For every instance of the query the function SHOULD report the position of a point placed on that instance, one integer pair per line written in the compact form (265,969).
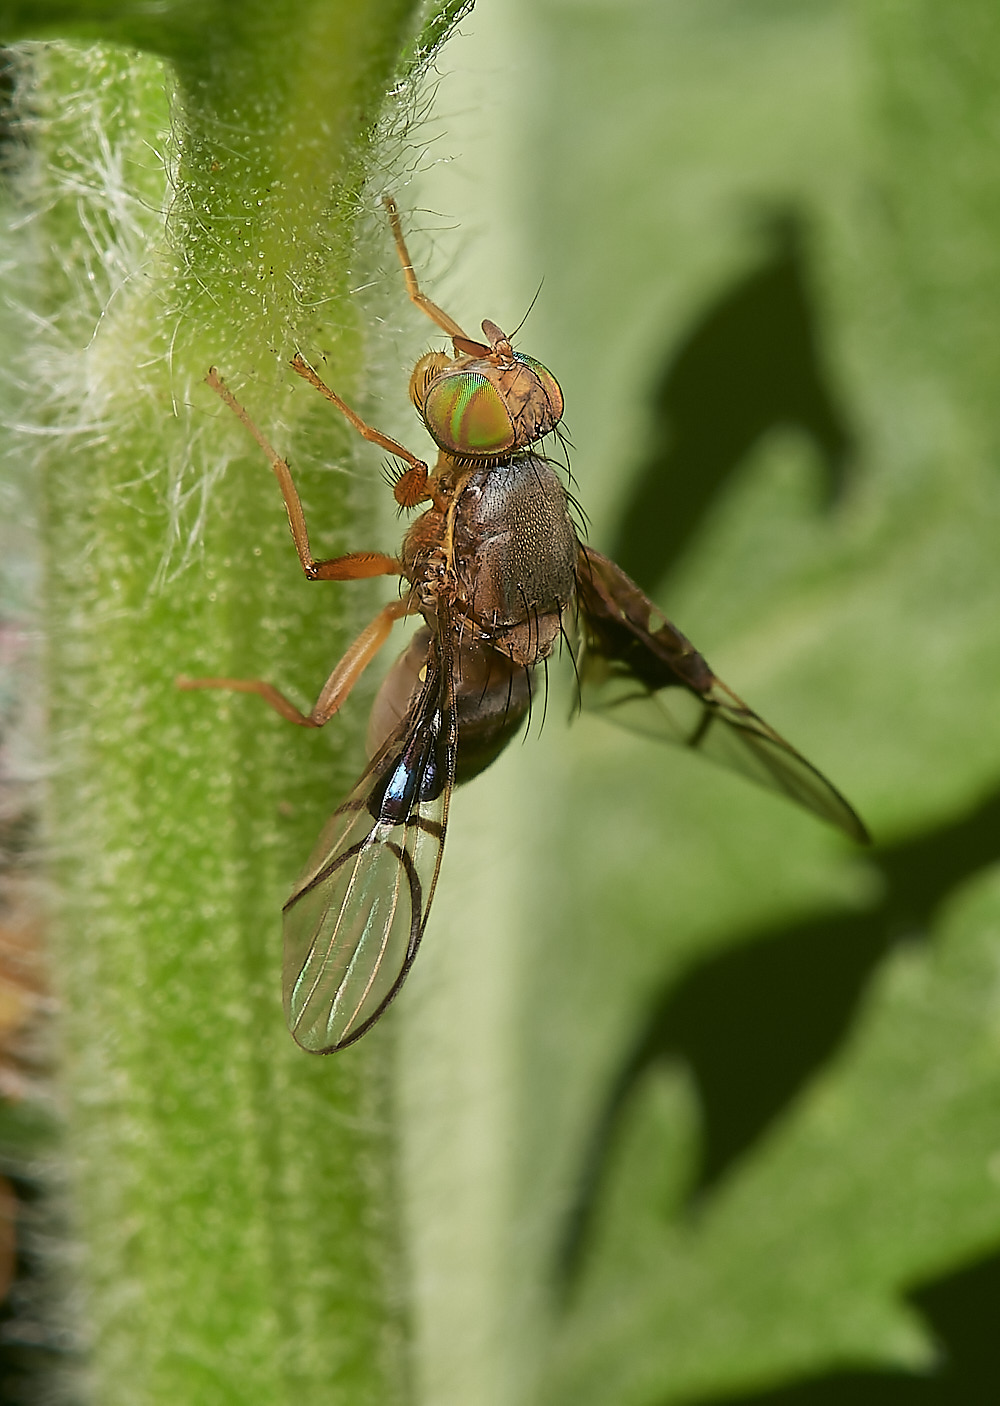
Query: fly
(495,568)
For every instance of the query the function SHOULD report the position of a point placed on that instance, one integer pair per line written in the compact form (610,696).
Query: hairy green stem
(234,1196)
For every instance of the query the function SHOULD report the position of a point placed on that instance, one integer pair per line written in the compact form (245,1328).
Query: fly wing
(355,920)
(641,672)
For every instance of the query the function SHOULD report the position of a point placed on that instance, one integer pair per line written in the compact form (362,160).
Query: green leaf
(884,1174)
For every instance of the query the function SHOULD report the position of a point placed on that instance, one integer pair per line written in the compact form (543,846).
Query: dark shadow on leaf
(754,1023)
(749,365)
(961,1313)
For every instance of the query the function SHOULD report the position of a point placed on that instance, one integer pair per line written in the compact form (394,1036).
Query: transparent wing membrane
(355,920)
(641,672)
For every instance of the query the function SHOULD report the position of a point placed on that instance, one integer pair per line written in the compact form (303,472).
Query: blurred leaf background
(684,1101)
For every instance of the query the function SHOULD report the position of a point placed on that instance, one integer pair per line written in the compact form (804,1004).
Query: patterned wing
(641,672)
(355,920)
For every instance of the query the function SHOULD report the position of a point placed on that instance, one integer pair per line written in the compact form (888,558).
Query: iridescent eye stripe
(469,412)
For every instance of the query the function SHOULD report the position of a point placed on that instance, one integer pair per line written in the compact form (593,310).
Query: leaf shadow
(749,364)
(754,1023)
(960,1312)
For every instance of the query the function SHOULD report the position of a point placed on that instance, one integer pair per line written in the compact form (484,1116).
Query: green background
(685,1100)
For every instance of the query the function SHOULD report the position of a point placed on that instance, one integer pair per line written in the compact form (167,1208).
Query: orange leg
(436,314)
(337,687)
(352,567)
(411,487)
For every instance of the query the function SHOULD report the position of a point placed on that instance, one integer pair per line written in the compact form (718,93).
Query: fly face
(493,564)
(487,403)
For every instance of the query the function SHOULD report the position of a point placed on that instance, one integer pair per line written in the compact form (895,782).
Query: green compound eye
(466,415)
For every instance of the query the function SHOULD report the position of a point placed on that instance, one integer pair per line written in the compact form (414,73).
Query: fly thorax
(515,555)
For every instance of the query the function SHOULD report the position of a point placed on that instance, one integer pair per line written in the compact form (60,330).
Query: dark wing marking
(355,920)
(641,672)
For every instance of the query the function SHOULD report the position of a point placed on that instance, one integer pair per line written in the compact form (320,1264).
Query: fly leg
(436,314)
(337,687)
(352,567)
(411,487)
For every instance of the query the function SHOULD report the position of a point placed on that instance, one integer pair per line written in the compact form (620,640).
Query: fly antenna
(528,313)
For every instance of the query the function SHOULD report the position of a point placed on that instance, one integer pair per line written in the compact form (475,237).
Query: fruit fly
(495,568)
